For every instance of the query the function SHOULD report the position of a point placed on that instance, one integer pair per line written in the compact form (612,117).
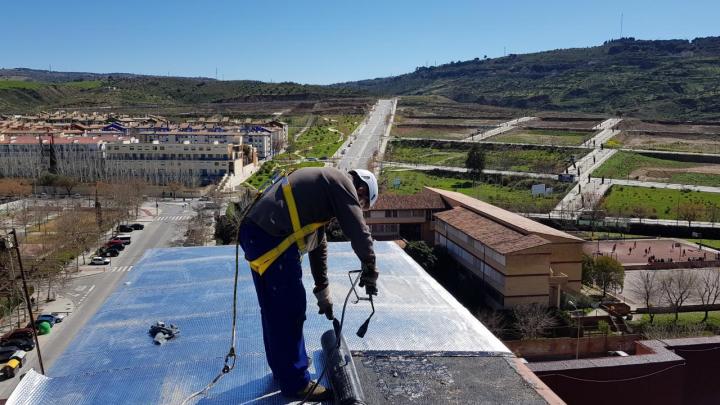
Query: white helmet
(369,178)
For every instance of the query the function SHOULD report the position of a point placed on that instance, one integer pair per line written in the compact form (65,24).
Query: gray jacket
(321,194)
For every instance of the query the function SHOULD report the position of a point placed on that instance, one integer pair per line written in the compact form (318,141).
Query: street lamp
(577,321)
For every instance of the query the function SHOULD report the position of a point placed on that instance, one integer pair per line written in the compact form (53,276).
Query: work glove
(368,278)
(324,301)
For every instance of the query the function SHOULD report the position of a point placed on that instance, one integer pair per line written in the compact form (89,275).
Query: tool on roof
(343,375)
(162,333)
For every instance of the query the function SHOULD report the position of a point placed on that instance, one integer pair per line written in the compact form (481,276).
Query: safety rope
(231,357)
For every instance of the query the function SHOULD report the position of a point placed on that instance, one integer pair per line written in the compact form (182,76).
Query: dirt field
(637,125)
(660,248)
(664,174)
(677,142)
(433,132)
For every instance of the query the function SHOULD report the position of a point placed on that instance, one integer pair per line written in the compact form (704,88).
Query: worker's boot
(320,393)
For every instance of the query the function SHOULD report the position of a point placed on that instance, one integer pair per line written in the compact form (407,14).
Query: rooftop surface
(430,345)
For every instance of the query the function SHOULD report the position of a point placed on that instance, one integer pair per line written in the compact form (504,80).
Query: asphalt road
(368,138)
(89,289)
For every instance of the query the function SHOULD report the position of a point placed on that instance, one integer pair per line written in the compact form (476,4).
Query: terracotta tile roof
(424,200)
(499,237)
(510,219)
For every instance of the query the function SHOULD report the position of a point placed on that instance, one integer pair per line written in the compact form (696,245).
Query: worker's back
(320,195)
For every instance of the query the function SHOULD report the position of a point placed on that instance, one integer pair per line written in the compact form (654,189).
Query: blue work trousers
(281,296)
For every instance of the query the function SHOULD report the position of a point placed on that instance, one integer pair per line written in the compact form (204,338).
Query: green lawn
(19,84)
(684,318)
(659,203)
(623,164)
(514,195)
(713,243)
(544,137)
(325,136)
(268,168)
(549,160)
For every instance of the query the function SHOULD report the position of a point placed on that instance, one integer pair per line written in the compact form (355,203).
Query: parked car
(20,356)
(108,252)
(52,318)
(7,353)
(8,369)
(123,238)
(22,343)
(204,198)
(115,244)
(124,228)
(137,227)
(99,261)
(20,333)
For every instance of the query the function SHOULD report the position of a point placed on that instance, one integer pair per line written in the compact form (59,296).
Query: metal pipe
(27,300)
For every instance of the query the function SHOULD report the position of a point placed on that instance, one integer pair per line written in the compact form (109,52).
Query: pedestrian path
(173,217)
(120,269)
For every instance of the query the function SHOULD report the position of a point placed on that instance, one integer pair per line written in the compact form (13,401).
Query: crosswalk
(173,217)
(119,269)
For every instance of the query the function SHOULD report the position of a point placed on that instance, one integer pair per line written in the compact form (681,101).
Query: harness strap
(262,263)
(292,210)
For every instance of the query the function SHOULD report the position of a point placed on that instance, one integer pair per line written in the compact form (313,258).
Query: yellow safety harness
(298,236)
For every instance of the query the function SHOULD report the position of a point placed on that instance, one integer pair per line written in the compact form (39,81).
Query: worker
(287,220)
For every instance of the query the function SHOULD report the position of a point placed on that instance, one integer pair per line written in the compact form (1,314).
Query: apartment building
(31,156)
(187,163)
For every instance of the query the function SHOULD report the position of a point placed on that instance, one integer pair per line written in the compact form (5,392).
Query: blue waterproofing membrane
(113,360)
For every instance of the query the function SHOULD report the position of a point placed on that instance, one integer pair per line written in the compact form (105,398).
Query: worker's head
(366,186)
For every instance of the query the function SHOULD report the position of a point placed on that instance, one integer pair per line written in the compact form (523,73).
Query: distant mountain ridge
(660,79)
(664,78)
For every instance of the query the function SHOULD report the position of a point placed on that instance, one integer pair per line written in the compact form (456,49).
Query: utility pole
(621,25)
(27,299)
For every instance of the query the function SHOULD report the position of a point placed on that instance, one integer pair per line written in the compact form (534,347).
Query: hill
(675,79)
(24,90)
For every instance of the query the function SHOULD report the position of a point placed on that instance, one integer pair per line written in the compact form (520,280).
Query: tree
(608,273)
(647,287)
(588,269)
(677,287)
(475,162)
(640,212)
(66,182)
(423,254)
(708,288)
(531,320)
(492,320)
(689,211)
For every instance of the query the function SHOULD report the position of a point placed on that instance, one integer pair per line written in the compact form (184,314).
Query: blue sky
(319,41)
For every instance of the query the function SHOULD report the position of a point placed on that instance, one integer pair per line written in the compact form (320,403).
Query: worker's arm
(318,261)
(349,215)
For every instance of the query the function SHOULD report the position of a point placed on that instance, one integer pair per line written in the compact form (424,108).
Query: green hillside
(653,79)
(21,93)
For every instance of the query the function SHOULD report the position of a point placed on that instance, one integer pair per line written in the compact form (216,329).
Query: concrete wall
(671,372)
(566,347)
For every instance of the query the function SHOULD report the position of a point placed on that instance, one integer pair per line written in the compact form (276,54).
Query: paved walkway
(235,180)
